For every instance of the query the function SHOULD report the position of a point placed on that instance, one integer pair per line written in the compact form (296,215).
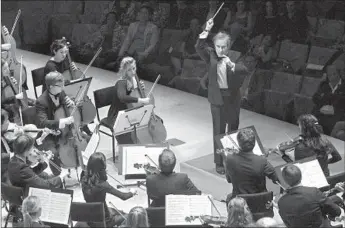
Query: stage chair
(309,86)
(14,196)
(37,79)
(156,216)
(103,97)
(260,204)
(88,212)
(29,115)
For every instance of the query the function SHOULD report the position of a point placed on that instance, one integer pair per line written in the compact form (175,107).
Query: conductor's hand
(133,191)
(144,101)
(209,24)
(20,96)
(69,102)
(5,30)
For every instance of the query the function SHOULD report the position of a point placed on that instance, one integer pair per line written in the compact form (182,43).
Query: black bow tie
(220,58)
(55,96)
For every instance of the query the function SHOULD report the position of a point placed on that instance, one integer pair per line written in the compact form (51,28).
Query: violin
(214,221)
(33,131)
(287,146)
(155,132)
(150,170)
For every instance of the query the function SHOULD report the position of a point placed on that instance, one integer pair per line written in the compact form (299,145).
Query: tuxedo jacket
(45,110)
(235,77)
(160,185)
(22,175)
(306,207)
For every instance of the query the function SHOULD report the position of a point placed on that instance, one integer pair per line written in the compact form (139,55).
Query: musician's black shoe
(220,169)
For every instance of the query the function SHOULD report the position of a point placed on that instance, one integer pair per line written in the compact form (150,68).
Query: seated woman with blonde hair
(32,210)
(239,214)
(137,217)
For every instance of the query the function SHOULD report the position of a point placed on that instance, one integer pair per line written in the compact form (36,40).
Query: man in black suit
(167,182)
(245,170)
(22,175)
(46,105)
(304,206)
(225,79)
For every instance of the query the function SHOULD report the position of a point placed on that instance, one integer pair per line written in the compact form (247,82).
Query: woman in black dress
(95,187)
(122,96)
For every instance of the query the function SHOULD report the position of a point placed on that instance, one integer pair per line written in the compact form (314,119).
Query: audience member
(302,206)
(181,15)
(264,52)
(245,170)
(239,214)
(267,23)
(339,130)
(32,211)
(137,218)
(219,19)
(267,222)
(239,25)
(131,13)
(167,181)
(250,62)
(187,49)
(329,100)
(160,15)
(293,24)
(95,187)
(313,143)
(22,175)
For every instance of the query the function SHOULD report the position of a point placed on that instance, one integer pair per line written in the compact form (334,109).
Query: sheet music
(55,206)
(91,147)
(178,207)
(227,143)
(313,66)
(136,154)
(312,174)
(44,196)
(59,208)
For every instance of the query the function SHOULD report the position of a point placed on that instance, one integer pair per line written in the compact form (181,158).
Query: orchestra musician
(95,186)
(302,206)
(245,170)
(122,97)
(22,175)
(32,211)
(137,217)
(311,143)
(225,79)
(46,105)
(167,181)
(59,62)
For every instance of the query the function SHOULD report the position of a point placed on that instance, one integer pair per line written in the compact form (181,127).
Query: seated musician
(239,214)
(245,170)
(95,186)
(59,62)
(5,149)
(312,143)
(329,100)
(302,206)
(22,175)
(167,181)
(122,97)
(32,211)
(137,217)
(46,105)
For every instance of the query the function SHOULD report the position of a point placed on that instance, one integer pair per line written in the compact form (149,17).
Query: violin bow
(15,22)
(92,60)
(154,84)
(117,210)
(215,207)
(20,88)
(148,157)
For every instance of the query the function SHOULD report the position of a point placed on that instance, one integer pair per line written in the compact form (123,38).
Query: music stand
(132,120)
(73,89)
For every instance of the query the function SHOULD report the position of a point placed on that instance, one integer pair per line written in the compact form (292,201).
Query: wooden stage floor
(187,117)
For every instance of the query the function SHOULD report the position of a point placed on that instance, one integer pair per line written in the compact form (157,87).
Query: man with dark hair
(245,170)
(225,79)
(167,181)
(304,206)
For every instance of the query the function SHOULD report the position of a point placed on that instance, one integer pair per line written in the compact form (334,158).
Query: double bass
(155,132)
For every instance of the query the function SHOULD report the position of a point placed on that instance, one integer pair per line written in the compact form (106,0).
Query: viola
(155,132)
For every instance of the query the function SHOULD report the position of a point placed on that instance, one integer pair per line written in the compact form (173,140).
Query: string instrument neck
(140,90)
(73,77)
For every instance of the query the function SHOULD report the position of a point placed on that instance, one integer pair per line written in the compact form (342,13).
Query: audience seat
(169,37)
(37,79)
(302,104)
(309,86)
(285,82)
(331,29)
(260,204)
(278,104)
(295,54)
(320,56)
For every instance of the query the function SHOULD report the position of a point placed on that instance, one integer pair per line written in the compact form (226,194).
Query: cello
(88,109)
(155,132)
